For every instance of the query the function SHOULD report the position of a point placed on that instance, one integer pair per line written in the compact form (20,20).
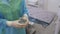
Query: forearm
(9,23)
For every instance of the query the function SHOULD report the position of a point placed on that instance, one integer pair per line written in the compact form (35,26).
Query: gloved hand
(17,24)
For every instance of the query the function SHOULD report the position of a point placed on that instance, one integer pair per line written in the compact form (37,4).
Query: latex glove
(25,17)
(17,24)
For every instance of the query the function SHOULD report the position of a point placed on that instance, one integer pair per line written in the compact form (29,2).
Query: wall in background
(50,5)
(53,5)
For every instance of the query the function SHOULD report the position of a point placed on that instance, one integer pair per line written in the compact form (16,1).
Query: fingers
(25,18)
(21,25)
(18,25)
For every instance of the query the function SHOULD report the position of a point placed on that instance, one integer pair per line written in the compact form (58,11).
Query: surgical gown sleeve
(25,10)
(2,23)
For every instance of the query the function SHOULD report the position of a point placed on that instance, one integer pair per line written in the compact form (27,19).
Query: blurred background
(44,14)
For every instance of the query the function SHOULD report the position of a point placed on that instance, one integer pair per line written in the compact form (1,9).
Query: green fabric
(3,31)
(11,10)
(19,31)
